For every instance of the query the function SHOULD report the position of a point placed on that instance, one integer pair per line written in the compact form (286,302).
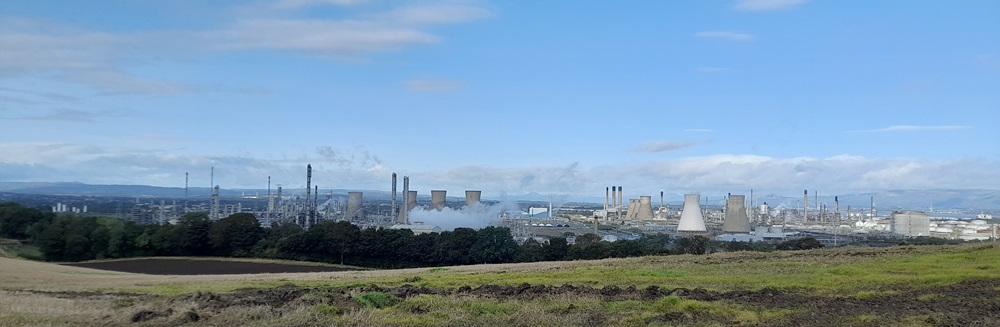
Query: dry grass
(863,273)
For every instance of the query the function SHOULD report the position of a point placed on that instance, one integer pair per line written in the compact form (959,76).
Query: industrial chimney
(805,205)
(736,215)
(472,197)
(392,208)
(405,210)
(438,199)
(691,218)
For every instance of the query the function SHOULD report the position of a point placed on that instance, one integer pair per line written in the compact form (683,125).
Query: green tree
(235,235)
(194,231)
(15,220)
(494,245)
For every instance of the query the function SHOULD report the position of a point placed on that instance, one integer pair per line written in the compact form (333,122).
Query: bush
(329,309)
(376,300)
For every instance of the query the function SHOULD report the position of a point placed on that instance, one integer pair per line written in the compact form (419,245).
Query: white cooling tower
(736,215)
(691,219)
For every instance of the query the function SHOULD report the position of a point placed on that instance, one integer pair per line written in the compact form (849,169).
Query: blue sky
(504,96)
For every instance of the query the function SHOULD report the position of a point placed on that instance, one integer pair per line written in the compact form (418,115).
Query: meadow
(896,286)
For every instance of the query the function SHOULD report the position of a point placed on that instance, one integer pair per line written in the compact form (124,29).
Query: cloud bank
(358,169)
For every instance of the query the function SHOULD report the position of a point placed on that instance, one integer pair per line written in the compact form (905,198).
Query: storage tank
(736,215)
(691,218)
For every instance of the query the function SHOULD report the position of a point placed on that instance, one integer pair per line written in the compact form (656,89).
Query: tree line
(74,238)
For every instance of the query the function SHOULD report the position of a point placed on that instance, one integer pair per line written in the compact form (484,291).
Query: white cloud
(299,4)
(436,14)
(105,61)
(432,85)
(361,169)
(663,146)
(766,5)
(913,128)
(732,36)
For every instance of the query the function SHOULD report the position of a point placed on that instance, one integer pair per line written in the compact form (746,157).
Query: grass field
(900,286)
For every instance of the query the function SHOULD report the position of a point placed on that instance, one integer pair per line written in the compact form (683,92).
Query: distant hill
(971,199)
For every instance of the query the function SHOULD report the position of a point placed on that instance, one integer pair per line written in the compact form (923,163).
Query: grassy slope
(854,272)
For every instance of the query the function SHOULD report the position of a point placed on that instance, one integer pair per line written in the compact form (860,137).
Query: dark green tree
(236,235)
(194,230)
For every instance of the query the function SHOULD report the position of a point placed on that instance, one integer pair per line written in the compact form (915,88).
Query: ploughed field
(179,266)
(898,286)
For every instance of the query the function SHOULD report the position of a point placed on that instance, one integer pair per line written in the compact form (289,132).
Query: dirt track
(165,266)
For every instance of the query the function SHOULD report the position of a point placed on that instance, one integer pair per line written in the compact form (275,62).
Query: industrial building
(911,223)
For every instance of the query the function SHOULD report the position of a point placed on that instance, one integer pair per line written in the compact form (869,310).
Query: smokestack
(309,177)
(805,205)
(270,202)
(354,201)
(620,198)
(438,199)
(472,197)
(405,210)
(836,208)
(606,197)
(662,204)
(691,218)
(185,192)
(614,198)
(392,209)
(736,215)
(215,203)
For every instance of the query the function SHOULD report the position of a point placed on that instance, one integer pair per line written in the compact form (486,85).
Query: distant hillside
(884,200)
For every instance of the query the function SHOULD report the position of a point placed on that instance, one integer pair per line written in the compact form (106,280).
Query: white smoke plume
(474,216)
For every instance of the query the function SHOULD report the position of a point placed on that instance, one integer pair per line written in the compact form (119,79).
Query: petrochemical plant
(739,219)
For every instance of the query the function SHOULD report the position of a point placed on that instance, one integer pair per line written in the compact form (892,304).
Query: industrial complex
(739,219)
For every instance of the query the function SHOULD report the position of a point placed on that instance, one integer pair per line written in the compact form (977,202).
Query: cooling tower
(472,197)
(691,219)
(645,210)
(353,205)
(438,199)
(736,215)
(411,200)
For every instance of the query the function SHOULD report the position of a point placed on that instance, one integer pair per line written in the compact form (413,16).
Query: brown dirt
(168,266)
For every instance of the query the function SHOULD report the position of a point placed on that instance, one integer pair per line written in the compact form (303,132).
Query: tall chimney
(309,176)
(185,192)
(620,198)
(392,209)
(606,196)
(805,205)
(312,211)
(836,208)
(614,197)
(405,209)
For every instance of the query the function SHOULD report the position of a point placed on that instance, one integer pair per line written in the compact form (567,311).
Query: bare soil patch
(174,266)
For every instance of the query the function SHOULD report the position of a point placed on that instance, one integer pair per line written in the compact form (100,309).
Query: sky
(508,97)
